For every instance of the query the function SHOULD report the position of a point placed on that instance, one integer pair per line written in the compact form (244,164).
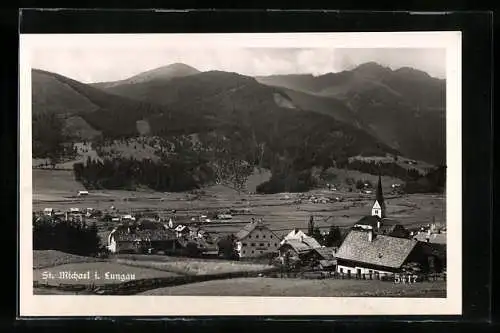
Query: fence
(396,278)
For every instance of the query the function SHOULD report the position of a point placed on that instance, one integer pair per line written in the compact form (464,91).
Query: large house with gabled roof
(255,240)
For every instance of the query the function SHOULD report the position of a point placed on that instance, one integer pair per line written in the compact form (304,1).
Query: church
(378,221)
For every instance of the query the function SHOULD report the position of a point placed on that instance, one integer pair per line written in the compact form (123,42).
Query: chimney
(370,235)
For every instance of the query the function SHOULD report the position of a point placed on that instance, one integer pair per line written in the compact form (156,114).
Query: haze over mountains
(369,110)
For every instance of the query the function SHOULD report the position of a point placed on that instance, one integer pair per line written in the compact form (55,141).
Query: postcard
(240,174)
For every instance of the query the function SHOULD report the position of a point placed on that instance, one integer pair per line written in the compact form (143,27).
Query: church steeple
(379,205)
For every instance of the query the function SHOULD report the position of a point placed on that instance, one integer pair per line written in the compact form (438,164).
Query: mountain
(77,104)
(160,73)
(384,101)
(237,107)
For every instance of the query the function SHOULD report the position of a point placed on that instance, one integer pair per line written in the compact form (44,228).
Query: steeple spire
(379,205)
(380,195)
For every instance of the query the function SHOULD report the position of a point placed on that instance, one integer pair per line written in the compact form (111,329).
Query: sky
(110,64)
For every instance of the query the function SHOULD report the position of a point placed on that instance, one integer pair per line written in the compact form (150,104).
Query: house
(322,258)
(365,252)
(298,245)
(378,222)
(182,230)
(83,193)
(127,217)
(126,239)
(224,216)
(430,237)
(382,226)
(48,211)
(256,239)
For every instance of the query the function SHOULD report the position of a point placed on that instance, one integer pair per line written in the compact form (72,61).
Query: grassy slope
(50,95)
(300,288)
(50,258)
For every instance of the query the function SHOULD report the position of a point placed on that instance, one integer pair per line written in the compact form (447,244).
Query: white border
(40,305)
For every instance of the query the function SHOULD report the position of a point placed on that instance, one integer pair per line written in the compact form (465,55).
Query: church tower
(378,208)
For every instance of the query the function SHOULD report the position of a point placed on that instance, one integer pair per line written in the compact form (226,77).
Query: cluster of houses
(374,245)
(152,236)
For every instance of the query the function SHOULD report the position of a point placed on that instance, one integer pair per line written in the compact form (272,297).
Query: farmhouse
(134,239)
(301,247)
(322,258)
(378,222)
(255,240)
(365,252)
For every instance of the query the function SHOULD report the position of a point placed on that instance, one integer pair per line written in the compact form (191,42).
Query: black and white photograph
(259,172)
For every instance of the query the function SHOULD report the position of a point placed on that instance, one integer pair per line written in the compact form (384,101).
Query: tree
(310,226)
(227,247)
(317,235)
(334,237)
(411,268)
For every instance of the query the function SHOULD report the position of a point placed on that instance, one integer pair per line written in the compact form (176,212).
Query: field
(282,212)
(136,267)
(50,258)
(57,189)
(300,287)
(196,267)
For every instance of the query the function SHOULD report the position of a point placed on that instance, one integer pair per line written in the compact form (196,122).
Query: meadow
(277,287)
(282,212)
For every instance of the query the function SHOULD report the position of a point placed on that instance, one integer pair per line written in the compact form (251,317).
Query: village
(374,246)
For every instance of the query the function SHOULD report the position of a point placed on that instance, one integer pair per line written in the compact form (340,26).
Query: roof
(373,220)
(311,242)
(380,196)
(433,238)
(369,220)
(144,235)
(383,250)
(325,252)
(298,246)
(295,234)
(328,263)
(247,229)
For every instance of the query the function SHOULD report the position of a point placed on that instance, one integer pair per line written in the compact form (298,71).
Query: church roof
(380,196)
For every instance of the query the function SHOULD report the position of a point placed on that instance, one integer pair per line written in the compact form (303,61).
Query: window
(264,236)
(256,236)
(249,236)
(253,244)
(271,236)
(261,244)
(243,244)
(341,270)
(243,251)
(253,251)
(275,244)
